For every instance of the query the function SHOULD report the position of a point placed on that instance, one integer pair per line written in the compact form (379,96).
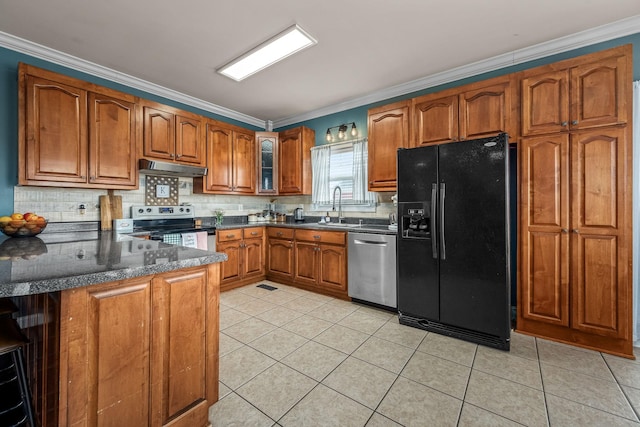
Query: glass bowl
(22,228)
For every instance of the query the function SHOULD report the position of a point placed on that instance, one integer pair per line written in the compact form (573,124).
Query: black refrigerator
(453,240)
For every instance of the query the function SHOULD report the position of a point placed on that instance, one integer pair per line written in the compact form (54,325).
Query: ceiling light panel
(292,40)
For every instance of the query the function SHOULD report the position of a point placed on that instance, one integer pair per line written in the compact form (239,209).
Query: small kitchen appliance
(298,215)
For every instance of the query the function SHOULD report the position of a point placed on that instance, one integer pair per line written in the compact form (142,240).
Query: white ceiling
(365,47)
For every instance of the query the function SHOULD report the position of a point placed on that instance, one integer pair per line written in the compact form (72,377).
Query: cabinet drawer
(229,235)
(280,233)
(253,232)
(335,237)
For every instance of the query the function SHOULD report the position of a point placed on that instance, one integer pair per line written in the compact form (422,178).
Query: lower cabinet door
(333,263)
(280,260)
(306,264)
(231,269)
(253,257)
(105,354)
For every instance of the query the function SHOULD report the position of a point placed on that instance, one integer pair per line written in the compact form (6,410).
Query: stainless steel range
(170,223)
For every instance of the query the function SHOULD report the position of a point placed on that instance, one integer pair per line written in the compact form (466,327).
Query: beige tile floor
(294,358)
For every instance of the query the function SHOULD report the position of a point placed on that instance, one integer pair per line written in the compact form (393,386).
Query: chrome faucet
(340,218)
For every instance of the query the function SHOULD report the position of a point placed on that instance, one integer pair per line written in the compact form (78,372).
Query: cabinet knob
(178,156)
(575,230)
(564,123)
(279,234)
(230,236)
(316,237)
(83,177)
(254,233)
(564,230)
(575,122)
(171,155)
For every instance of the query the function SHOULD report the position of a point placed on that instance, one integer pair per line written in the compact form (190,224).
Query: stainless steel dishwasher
(372,268)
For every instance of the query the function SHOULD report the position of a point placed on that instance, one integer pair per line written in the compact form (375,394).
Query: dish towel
(201,237)
(189,240)
(171,238)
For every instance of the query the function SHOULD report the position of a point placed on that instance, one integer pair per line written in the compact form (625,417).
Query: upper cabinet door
(244,167)
(55,134)
(219,159)
(598,95)
(112,141)
(388,131)
(486,111)
(189,140)
(159,134)
(545,103)
(435,119)
(290,161)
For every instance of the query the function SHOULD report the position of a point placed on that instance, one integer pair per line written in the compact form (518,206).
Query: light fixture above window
(292,40)
(342,131)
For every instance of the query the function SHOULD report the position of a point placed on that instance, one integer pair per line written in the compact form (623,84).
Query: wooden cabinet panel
(230,158)
(254,263)
(231,269)
(435,120)
(74,134)
(280,257)
(112,141)
(486,111)
(56,132)
(335,237)
(219,158)
(388,129)
(333,267)
(598,94)
(189,140)
(267,162)
(545,103)
(108,340)
(159,134)
(306,263)
(244,166)
(179,365)
(294,160)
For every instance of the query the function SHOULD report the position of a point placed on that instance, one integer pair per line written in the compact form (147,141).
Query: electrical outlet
(82,208)
(240,207)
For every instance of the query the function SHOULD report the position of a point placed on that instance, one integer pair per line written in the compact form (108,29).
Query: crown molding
(27,47)
(595,35)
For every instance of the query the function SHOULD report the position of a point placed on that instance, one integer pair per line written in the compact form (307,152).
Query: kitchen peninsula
(122,331)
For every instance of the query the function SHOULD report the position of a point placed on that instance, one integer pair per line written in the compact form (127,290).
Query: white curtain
(320,161)
(636,210)
(360,173)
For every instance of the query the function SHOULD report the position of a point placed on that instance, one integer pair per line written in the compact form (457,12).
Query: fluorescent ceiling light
(292,40)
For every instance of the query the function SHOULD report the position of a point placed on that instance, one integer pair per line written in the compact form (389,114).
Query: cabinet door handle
(279,234)
(575,230)
(564,123)
(316,237)
(254,233)
(575,122)
(230,236)
(171,155)
(564,230)
(178,156)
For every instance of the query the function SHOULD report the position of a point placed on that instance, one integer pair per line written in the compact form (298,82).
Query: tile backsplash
(62,205)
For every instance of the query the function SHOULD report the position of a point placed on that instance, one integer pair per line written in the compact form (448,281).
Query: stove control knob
(140,210)
(188,210)
(149,210)
(181,209)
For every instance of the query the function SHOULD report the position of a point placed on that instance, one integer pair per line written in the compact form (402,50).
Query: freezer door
(418,284)
(474,280)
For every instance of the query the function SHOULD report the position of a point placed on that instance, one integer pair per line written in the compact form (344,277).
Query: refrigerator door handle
(443,248)
(432,220)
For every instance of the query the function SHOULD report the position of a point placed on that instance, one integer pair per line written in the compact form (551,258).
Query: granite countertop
(374,228)
(57,261)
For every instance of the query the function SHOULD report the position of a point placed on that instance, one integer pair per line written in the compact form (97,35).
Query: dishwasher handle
(369,242)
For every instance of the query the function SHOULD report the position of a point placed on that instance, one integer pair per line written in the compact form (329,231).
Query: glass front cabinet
(267,145)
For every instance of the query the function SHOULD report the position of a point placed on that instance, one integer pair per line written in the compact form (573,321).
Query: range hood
(153,167)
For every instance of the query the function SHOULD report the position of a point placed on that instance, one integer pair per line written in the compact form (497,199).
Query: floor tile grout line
(544,393)
(466,388)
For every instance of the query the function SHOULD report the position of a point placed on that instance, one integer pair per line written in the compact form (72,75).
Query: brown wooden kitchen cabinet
(267,162)
(584,93)
(477,110)
(245,250)
(388,130)
(321,261)
(575,263)
(230,160)
(74,134)
(173,135)
(294,161)
(280,253)
(142,351)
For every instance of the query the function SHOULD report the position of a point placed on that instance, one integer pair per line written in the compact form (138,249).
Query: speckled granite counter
(375,228)
(58,261)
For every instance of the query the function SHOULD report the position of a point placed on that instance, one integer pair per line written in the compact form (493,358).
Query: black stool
(15,399)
